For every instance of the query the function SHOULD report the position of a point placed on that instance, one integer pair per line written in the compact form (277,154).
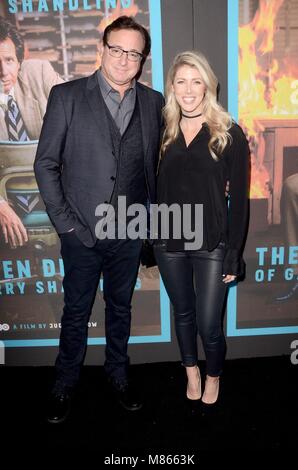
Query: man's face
(9,65)
(120,71)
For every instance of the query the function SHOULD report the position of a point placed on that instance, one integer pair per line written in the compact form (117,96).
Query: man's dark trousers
(118,261)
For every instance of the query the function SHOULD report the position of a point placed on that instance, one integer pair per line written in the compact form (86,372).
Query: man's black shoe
(58,407)
(127,396)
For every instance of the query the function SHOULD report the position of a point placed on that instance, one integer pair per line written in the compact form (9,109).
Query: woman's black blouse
(190,175)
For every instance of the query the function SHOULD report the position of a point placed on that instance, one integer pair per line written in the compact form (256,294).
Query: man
(100,140)
(24,90)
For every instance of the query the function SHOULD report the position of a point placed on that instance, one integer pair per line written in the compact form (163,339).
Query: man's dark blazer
(74,166)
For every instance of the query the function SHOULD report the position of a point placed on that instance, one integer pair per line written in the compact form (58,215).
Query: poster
(263,65)
(44,43)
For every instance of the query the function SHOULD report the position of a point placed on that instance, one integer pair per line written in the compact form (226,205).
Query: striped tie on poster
(15,124)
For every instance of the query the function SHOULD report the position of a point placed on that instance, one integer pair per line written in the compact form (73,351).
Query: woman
(203,153)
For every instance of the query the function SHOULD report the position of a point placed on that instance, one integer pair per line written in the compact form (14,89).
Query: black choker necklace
(191,117)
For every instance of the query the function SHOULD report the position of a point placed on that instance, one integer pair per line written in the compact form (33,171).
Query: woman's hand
(228,278)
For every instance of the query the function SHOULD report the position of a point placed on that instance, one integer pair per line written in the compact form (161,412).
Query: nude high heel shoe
(195,396)
(211,391)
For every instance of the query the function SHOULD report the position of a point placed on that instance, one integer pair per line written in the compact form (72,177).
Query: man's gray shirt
(121,110)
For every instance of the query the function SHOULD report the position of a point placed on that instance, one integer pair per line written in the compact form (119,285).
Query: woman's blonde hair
(218,120)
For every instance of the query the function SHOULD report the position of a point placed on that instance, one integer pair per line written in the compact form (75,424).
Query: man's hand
(12,227)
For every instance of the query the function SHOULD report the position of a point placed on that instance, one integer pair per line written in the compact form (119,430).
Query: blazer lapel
(29,109)
(96,104)
(3,128)
(145,116)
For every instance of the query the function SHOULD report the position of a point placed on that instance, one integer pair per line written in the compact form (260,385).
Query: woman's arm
(239,175)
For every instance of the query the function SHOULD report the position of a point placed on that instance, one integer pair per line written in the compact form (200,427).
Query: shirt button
(113,178)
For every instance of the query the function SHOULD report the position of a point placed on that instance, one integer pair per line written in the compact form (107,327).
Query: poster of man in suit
(40,48)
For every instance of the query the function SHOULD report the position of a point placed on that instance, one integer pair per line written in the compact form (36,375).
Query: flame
(263,23)
(267,87)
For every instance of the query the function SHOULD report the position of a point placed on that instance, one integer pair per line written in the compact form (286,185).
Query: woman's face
(189,89)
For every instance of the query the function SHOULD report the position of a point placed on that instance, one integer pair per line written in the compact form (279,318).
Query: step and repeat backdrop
(45,42)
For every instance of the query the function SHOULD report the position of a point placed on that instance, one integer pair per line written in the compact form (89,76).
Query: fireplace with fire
(268,113)
(268,99)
